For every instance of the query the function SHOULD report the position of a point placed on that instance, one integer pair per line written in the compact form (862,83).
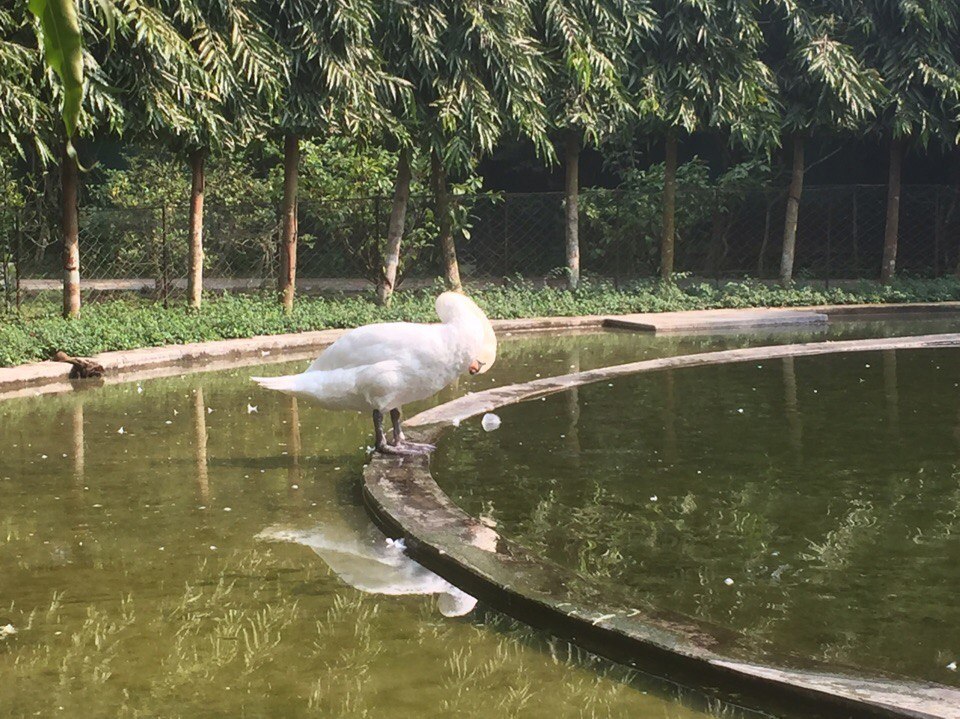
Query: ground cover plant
(131,322)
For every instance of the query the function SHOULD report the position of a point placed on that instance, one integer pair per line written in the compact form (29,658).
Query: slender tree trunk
(669,228)
(70,230)
(571,208)
(438,177)
(288,242)
(892,228)
(195,270)
(793,213)
(398,219)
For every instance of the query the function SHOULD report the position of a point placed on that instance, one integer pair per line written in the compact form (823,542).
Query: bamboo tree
(704,71)
(398,216)
(587,45)
(334,83)
(87,104)
(571,201)
(473,70)
(823,87)
(913,46)
(24,116)
(62,44)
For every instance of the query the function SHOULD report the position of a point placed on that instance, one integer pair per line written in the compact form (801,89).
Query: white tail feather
(286,383)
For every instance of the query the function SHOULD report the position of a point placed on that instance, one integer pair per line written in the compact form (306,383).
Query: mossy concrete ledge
(148,362)
(405,501)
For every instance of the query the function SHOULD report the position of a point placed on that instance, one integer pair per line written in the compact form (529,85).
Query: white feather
(385,366)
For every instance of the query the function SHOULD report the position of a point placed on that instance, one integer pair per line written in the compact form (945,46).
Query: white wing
(404,341)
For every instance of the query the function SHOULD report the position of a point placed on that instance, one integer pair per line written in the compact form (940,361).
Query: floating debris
(490,422)
(952,666)
(8,630)
(654,498)
(251,408)
(121,431)
(728,581)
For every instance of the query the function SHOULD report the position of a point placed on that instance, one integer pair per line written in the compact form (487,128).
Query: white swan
(366,560)
(384,366)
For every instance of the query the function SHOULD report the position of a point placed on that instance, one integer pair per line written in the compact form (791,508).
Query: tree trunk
(669,208)
(195,271)
(438,177)
(398,219)
(288,241)
(793,212)
(889,267)
(571,208)
(70,230)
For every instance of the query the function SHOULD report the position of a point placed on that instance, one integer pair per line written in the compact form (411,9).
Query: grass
(129,323)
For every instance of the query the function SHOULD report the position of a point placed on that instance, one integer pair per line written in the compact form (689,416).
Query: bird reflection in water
(365,559)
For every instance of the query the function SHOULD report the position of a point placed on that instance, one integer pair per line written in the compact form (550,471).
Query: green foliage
(63,52)
(473,70)
(131,323)
(823,82)
(913,46)
(705,71)
(22,111)
(700,201)
(587,46)
(334,78)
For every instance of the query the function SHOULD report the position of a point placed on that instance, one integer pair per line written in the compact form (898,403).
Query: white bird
(382,367)
(366,560)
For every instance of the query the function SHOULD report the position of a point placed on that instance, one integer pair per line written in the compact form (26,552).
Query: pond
(810,504)
(192,546)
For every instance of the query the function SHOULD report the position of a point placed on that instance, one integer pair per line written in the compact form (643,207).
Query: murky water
(190,546)
(812,504)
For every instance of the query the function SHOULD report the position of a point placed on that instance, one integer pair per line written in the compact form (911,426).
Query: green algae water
(192,546)
(810,504)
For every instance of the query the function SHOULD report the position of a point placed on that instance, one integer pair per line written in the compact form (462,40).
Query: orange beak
(475,366)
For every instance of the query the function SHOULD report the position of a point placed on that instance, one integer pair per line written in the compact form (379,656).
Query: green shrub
(129,323)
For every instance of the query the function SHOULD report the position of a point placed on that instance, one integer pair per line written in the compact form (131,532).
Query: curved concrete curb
(405,501)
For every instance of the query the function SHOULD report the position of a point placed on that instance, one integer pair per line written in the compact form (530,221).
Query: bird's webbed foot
(418,447)
(407,449)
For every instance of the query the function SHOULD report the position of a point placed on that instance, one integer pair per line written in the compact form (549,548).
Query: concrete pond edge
(403,498)
(144,363)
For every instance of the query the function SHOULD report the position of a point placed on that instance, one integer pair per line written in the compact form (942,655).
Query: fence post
(506,236)
(854,234)
(18,256)
(714,253)
(165,258)
(827,265)
(937,231)
(7,259)
(618,235)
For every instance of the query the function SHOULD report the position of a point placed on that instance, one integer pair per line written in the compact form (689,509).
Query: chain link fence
(723,233)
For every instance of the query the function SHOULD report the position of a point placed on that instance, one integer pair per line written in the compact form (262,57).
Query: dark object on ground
(82,368)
